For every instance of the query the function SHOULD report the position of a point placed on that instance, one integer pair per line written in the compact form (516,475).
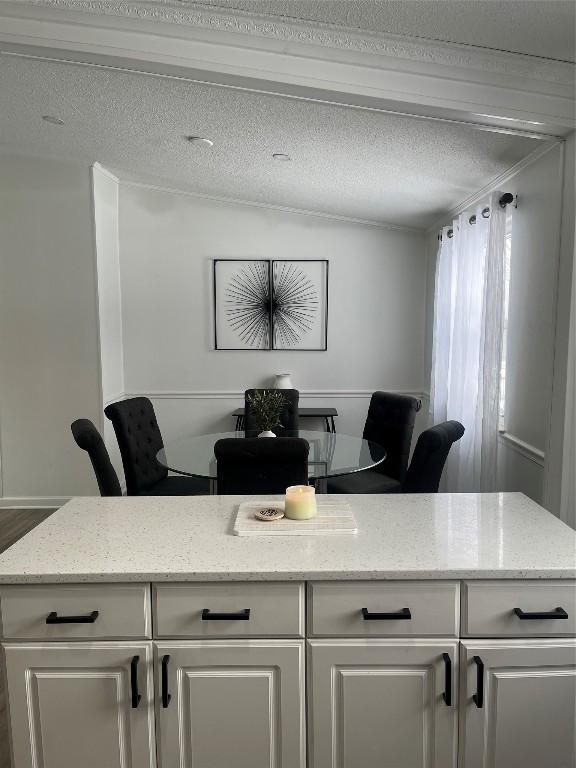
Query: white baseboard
(33,502)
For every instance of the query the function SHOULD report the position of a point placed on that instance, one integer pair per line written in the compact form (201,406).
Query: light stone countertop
(431,536)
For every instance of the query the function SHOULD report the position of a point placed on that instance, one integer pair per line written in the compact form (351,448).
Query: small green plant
(267,405)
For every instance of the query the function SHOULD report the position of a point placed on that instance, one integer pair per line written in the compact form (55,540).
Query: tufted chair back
(139,439)
(89,439)
(289,418)
(429,457)
(390,423)
(261,465)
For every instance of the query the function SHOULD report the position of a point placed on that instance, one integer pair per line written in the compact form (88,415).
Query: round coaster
(269,514)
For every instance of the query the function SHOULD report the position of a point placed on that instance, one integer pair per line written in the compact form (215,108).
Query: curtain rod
(505,200)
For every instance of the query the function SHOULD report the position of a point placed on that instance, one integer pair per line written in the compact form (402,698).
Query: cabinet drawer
(229,610)
(489,608)
(373,609)
(62,612)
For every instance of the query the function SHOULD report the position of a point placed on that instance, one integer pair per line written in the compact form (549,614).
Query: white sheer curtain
(467,346)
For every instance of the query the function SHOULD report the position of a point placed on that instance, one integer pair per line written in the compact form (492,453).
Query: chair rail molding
(529,452)
(322,61)
(239,394)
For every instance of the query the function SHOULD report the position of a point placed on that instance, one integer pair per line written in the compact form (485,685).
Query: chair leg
(321,485)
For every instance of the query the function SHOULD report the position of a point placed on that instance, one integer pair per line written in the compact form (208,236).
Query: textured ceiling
(346,161)
(537,27)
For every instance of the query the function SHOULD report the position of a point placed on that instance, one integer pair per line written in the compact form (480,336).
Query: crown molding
(326,35)
(496,89)
(497,183)
(105,172)
(272,207)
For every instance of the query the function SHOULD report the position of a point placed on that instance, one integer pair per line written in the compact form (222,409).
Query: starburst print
(271,306)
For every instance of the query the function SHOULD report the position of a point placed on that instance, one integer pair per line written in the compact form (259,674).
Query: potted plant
(267,405)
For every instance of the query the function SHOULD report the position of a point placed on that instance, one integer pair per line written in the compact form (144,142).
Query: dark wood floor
(14,523)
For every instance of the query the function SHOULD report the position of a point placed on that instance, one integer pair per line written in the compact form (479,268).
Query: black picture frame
(268,330)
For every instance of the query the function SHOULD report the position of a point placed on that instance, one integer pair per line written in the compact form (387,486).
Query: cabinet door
(234,704)
(525,716)
(71,705)
(381,704)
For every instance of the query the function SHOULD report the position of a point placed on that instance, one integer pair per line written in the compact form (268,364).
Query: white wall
(49,370)
(155,249)
(532,323)
(108,265)
(106,225)
(555,458)
(167,244)
(533,284)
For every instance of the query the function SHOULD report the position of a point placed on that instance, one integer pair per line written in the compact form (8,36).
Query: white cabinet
(239,610)
(222,681)
(518,704)
(382,703)
(75,704)
(231,703)
(383,609)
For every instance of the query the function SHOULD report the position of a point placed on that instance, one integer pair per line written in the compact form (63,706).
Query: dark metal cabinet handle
(208,615)
(478,697)
(557,613)
(134,682)
(166,698)
(447,695)
(403,613)
(89,618)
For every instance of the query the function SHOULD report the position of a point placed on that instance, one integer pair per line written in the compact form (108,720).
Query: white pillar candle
(300,502)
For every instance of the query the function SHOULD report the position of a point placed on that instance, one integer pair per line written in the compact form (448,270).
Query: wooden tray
(332,519)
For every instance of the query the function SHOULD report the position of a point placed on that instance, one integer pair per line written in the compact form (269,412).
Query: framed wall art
(267,304)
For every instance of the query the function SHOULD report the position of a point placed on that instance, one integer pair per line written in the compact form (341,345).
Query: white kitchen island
(140,631)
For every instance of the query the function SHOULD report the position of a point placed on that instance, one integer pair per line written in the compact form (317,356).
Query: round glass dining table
(331,454)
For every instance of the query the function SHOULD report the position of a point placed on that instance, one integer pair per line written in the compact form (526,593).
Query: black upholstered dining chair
(89,439)
(261,465)
(429,457)
(288,419)
(139,439)
(390,423)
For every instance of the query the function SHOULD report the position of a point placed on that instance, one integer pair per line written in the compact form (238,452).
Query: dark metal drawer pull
(447,695)
(208,615)
(478,697)
(403,613)
(134,682)
(166,698)
(89,618)
(557,613)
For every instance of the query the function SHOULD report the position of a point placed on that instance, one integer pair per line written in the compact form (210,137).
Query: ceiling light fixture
(281,156)
(52,120)
(199,140)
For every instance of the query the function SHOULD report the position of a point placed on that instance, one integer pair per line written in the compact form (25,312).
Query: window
(507,260)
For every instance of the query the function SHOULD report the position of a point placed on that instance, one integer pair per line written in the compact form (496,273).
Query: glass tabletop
(331,453)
